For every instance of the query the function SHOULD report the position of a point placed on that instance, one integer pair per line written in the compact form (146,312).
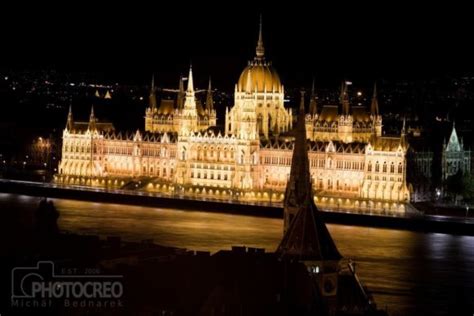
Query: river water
(408,273)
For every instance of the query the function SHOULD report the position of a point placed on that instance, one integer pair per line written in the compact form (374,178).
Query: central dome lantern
(259,76)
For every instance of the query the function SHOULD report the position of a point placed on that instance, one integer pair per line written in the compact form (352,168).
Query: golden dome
(262,76)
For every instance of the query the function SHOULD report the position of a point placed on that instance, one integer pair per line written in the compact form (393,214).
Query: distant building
(182,151)
(429,164)
(454,156)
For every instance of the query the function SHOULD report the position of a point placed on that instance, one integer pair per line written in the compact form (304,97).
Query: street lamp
(467,210)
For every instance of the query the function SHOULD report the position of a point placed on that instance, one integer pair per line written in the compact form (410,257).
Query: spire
(152,97)
(70,120)
(374,106)
(92,119)
(260,49)
(344,97)
(341,95)
(306,236)
(190,80)
(181,94)
(209,100)
(190,100)
(313,105)
(453,142)
(302,102)
(299,183)
(403,135)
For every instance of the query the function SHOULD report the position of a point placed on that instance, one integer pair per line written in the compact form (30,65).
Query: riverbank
(429,223)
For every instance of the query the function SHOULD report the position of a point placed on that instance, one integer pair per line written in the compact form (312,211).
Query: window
(377,167)
(392,168)
(384,167)
(369,167)
(400,168)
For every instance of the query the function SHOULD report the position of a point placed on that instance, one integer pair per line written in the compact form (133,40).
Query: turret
(92,120)
(313,106)
(374,106)
(70,120)
(189,120)
(209,100)
(375,113)
(152,97)
(181,94)
(260,50)
(344,99)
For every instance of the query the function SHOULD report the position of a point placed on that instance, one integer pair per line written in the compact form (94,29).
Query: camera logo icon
(25,280)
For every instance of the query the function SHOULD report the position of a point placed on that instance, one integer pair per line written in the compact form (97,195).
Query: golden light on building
(182,152)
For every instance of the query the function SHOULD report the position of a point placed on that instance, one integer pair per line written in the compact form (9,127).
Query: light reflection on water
(408,272)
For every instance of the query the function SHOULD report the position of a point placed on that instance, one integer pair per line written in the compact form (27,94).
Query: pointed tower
(70,120)
(92,120)
(346,120)
(152,97)
(189,113)
(313,105)
(299,184)
(374,105)
(190,88)
(260,50)
(181,94)
(375,113)
(209,100)
(344,99)
(403,135)
(341,92)
(306,238)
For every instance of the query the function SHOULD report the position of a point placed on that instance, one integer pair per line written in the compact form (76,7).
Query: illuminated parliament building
(182,152)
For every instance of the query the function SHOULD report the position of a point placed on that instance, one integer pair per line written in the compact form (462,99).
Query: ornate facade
(182,151)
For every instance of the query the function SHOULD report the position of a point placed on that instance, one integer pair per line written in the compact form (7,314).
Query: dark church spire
(306,236)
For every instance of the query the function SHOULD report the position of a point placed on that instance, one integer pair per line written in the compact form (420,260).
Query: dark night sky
(331,42)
